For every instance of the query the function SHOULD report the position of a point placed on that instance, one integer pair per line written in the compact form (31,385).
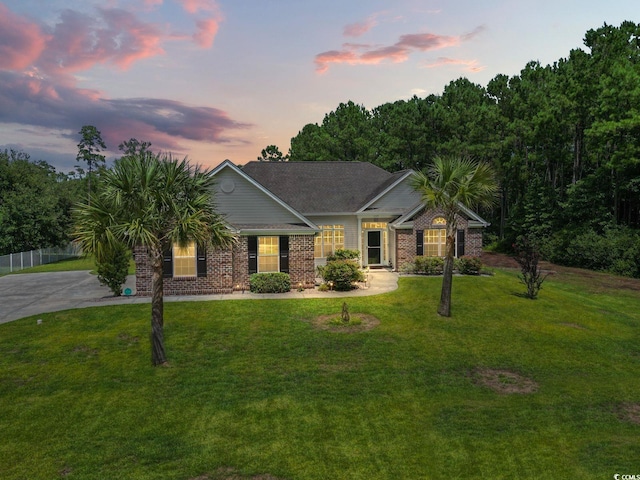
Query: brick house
(288,216)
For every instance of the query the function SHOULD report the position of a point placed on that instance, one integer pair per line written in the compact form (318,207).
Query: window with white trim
(330,239)
(184,261)
(435,239)
(268,254)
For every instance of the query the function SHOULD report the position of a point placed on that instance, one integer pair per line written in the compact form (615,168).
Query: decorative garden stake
(345,313)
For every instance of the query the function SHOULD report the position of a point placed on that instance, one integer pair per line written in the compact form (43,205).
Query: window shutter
(419,242)
(201,261)
(253,254)
(460,244)
(167,262)
(284,254)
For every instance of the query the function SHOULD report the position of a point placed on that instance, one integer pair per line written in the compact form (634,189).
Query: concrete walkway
(23,295)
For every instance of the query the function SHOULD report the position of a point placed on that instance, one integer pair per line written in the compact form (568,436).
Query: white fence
(15,262)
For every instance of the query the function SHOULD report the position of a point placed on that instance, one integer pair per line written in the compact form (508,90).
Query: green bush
(344,254)
(429,265)
(616,249)
(276,282)
(409,267)
(468,265)
(342,273)
(112,268)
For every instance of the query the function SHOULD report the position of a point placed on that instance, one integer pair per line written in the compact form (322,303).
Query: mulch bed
(325,322)
(504,382)
(629,412)
(228,473)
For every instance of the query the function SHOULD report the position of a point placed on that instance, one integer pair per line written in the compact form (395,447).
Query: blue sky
(218,79)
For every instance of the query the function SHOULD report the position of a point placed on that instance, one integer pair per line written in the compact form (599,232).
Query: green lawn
(80,263)
(253,389)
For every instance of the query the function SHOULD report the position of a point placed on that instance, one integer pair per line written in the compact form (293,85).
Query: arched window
(435,238)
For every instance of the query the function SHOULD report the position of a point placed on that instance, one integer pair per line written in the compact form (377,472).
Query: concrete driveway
(26,294)
(22,295)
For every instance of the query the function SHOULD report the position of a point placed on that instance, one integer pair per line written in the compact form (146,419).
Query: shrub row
(616,250)
(466,265)
(276,282)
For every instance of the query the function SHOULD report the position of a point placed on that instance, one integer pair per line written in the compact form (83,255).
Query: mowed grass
(86,262)
(253,389)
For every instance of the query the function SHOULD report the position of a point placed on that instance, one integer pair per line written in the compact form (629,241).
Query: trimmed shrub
(113,267)
(343,254)
(343,274)
(429,265)
(409,267)
(468,265)
(276,282)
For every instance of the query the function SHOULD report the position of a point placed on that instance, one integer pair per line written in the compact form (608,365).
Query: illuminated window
(374,225)
(330,239)
(435,240)
(268,254)
(439,221)
(184,261)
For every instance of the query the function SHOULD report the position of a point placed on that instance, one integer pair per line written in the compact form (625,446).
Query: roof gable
(397,196)
(244,202)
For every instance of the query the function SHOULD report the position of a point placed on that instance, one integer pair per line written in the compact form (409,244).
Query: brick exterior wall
(406,239)
(219,277)
(405,247)
(143,271)
(241,264)
(228,269)
(301,262)
(473,242)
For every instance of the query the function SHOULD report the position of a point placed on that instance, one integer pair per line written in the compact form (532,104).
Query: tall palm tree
(154,201)
(450,184)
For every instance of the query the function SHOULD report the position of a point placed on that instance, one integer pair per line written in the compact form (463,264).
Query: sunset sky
(218,79)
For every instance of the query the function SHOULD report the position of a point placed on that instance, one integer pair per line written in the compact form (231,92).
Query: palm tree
(154,201)
(451,184)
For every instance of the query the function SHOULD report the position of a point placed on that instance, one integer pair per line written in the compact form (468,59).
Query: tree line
(36,201)
(564,140)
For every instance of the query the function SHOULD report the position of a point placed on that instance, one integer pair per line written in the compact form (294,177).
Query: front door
(374,247)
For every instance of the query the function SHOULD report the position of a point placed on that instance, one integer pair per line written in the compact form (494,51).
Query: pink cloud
(359,28)
(78,42)
(195,6)
(38,87)
(21,42)
(470,65)
(207,30)
(41,102)
(397,53)
(323,60)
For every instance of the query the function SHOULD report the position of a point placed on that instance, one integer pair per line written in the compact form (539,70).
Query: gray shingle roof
(322,187)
